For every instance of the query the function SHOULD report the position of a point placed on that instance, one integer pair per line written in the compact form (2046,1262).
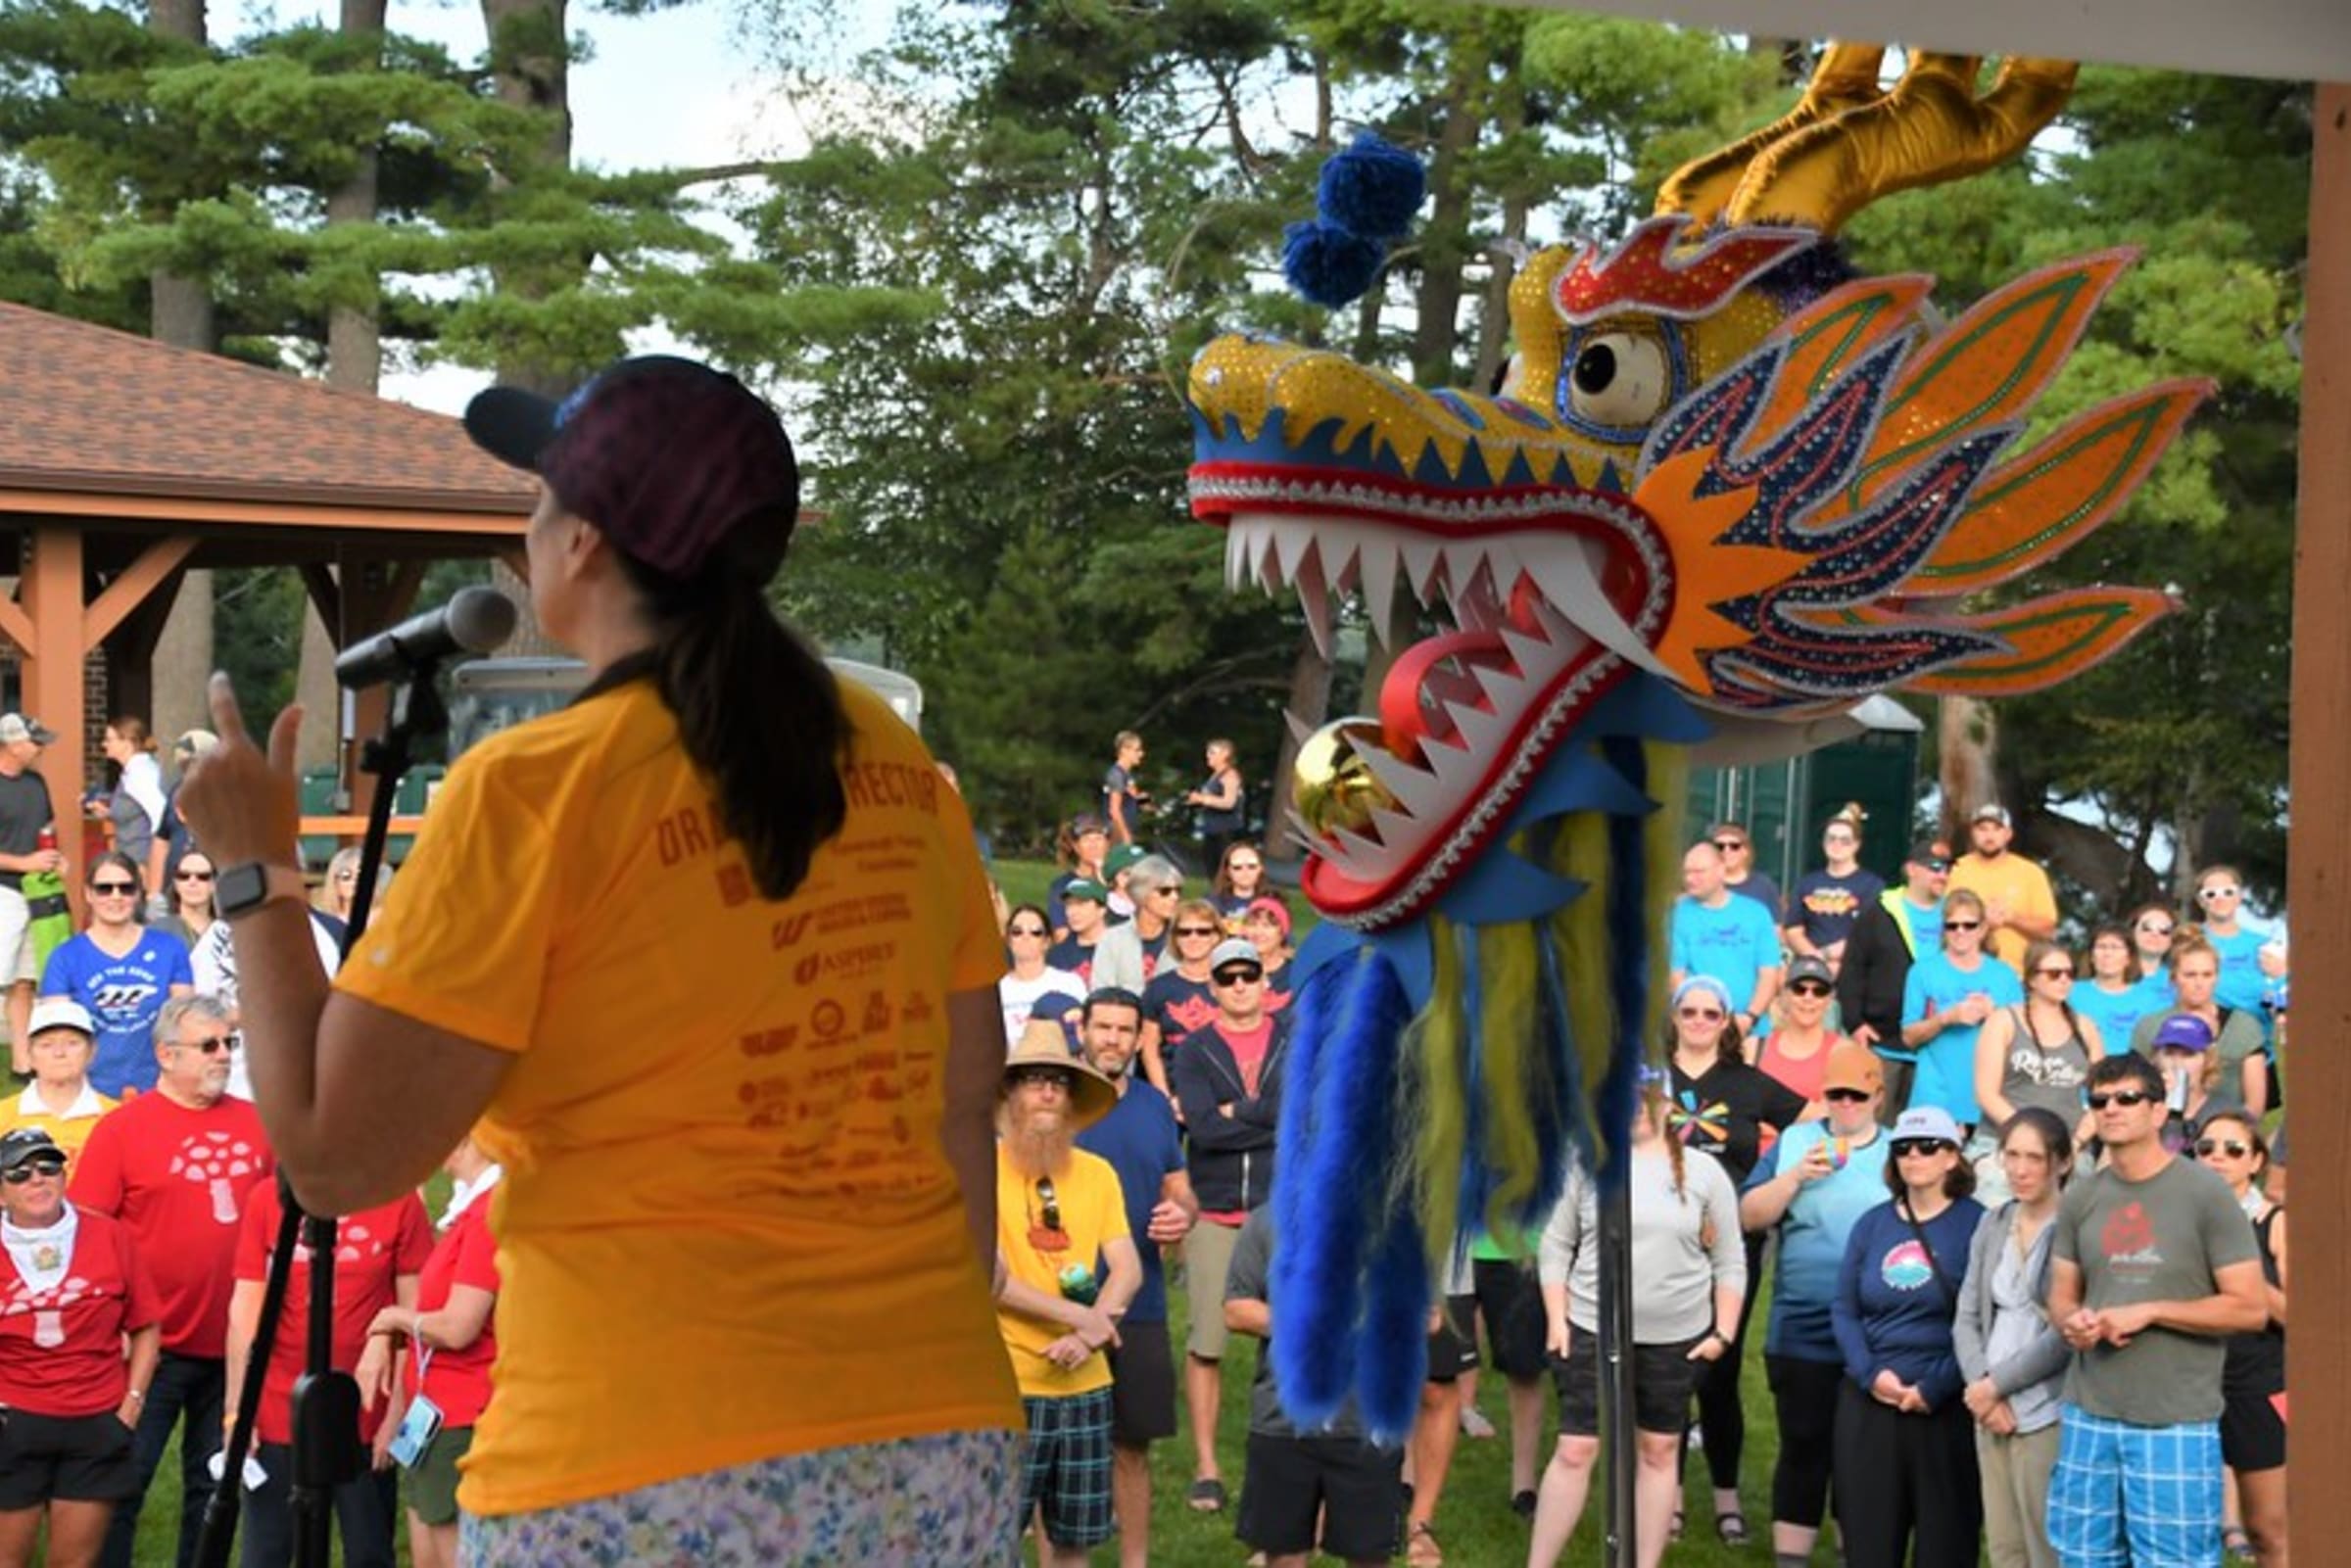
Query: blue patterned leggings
(940,1501)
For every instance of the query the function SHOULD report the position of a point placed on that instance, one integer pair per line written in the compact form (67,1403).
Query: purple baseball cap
(666,455)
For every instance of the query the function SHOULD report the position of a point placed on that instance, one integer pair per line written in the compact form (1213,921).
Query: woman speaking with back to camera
(708,954)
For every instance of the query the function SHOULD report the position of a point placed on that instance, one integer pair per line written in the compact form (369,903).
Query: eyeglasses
(2208,894)
(1161,893)
(2053,974)
(2209,1146)
(2121,1097)
(1845,1096)
(1051,1201)
(2153,929)
(1027,930)
(1715,1012)
(1054,1077)
(1729,846)
(1245,865)
(210,1045)
(1229,978)
(347,876)
(114,889)
(1962,924)
(1809,988)
(48,1166)
(1912,1148)
(1196,930)
(192,875)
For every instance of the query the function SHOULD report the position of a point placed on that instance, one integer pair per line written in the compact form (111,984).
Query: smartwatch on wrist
(249,885)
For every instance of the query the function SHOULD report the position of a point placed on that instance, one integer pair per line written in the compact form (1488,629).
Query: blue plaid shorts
(941,1502)
(2135,1497)
(1068,1469)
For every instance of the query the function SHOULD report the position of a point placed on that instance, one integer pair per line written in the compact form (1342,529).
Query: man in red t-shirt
(379,1254)
(176,1165)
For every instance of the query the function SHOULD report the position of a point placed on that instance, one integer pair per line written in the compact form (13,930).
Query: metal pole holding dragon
(1732,488)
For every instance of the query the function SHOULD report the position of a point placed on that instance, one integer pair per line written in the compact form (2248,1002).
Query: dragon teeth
(1313,596)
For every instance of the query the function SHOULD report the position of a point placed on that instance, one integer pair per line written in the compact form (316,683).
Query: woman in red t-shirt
(379,1253)
(78,1346)
(448,1346)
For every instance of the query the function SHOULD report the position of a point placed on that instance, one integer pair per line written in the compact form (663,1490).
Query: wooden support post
(2319,871)
(53,677)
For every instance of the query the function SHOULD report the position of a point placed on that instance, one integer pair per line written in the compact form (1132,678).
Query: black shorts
(1511,1302)
(1142,1386)
(2252,1434)
(74,1458)
(1453,1348)
(1663,1377)
(1355,1488)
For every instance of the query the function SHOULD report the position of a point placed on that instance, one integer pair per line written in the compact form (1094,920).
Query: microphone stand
(327,1403)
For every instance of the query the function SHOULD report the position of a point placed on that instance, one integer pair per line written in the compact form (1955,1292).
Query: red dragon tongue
(1426,677)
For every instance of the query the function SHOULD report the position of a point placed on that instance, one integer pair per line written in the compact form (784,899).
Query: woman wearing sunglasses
(191,897)
(78,1346)
(1240,882)
(2011,1354)
(1028,938)
(1813,1185)
(1689,1279)
(2110,994)
(123,973)
(2152,926)
(1905,1448)
(1796,1053)
(1719,1106)
(2039,1053)
(1178,998)
(2252,1432)
(2220,901)
(1947,1000)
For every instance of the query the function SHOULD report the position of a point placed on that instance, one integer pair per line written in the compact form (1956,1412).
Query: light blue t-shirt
(1926,924)
(2241,980)
(1946,1063)
(2116,1013)
(123,995)
(1812,1237)
(1733,944)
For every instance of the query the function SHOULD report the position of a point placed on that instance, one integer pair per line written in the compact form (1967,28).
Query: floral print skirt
(947,1500)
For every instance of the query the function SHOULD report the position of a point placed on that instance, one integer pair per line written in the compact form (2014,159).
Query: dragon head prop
(1722,458)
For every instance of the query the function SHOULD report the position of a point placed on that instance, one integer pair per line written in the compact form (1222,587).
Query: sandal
(1732,1528)
(1206,1496)
(2237,1544)
(1673,1532)
(1421,1549)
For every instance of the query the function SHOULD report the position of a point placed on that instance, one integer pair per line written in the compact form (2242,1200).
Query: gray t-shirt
(1686,1242)
(2240,1037)
(1247,1280)
(2158,1240)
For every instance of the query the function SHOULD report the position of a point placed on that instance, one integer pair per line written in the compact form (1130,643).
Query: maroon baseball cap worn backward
(666,455)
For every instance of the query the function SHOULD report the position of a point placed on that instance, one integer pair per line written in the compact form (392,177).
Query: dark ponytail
(756,709)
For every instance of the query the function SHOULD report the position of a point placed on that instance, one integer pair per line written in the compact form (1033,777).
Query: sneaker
(1474,1423)
(1695,1441)
(1522,1504)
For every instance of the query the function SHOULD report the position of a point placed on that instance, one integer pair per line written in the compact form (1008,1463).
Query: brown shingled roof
(92,409)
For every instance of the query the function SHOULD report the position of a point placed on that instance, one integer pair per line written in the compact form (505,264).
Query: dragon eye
(1620,379)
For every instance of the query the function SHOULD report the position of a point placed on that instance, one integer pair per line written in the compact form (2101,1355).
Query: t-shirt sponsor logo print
(2128,1242)
(213,1160)
(844,964)
(48,1307)
(1908,1267)
(1830,901)
(121,1003)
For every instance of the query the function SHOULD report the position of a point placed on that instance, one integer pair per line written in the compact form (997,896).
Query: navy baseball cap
(666,455)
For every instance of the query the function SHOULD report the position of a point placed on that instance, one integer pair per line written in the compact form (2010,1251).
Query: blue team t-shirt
(2241,980)
(123,995)
(1926,925)
(2116,1013)
(1733,943)
(1820,1218)
(1946,1063)
(1138,1139)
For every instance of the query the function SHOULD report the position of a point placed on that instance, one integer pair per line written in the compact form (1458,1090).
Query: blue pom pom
(1329,266)
(1372,189)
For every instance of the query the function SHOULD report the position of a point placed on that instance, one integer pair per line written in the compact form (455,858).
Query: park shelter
(125,463)
(2295,40)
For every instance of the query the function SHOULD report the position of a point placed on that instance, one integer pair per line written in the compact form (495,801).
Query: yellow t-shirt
(1094,1211)
(2021,882)
(727,1230)
(71,1130)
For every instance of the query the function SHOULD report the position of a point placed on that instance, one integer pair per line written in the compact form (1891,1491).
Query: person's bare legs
(77,1531)
(1204,1397)
(431,1546)
(2261,1495)
(1560,1498)
(1435,1435)
(20,1532)
(1527,1432)
(1657,1489)
(1130,1498)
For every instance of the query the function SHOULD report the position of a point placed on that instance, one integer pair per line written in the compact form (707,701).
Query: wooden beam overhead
(132,586)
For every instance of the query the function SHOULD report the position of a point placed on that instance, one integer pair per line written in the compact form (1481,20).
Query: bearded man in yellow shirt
(2017,903)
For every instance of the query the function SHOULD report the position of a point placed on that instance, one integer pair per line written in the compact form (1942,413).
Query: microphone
(475,620)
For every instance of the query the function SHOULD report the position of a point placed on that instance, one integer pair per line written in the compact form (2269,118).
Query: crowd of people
(2020,1210)
(140,1211)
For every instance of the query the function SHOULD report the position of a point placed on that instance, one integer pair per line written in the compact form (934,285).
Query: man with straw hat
(1068,1266)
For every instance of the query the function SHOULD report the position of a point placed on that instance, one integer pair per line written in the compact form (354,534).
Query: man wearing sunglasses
(1227,1080)
(1068,1270)
(1739,871)
(175,1167)
(2154,1265)
(1886,940)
